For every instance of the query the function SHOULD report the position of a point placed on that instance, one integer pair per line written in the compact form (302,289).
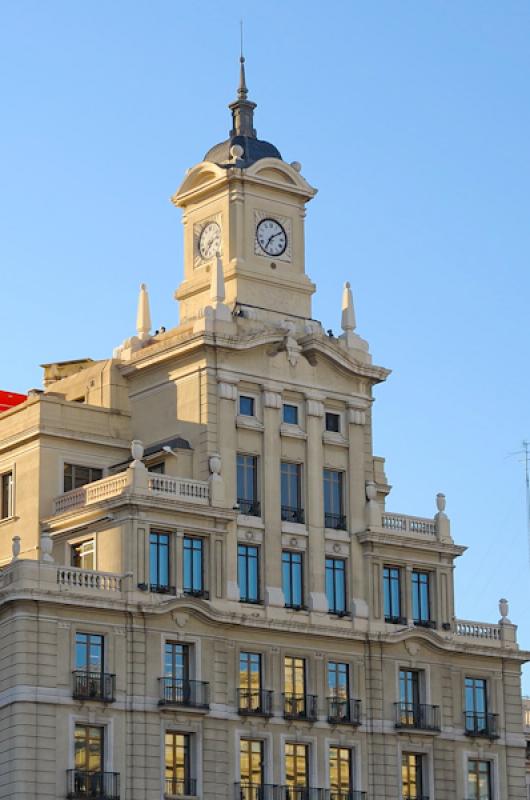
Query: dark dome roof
(253,150)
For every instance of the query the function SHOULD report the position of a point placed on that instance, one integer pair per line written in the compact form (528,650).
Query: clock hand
(272,237)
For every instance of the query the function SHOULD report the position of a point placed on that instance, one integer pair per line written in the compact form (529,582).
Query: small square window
(290,414)
(332,422)
(246,406)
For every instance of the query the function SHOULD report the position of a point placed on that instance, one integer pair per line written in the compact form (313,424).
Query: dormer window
(246,406)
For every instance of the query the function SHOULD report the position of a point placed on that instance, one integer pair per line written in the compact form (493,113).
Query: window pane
(340,769)
(296,764)
(251,763)
(246,406)
(290,414)
(332,422)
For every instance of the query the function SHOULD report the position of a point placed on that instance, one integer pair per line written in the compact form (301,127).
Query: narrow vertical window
(247,485)
(6,495)
(248,573)
(193,566)
(333,500)
(296,768)
(88,779)
(392,594)
(90,680)
(84,554)
(411,776)
(176,684)
(340,772)
(251,769)
(178,780)
(297,703)
(292,579)
(159,562)
(476,707)
(336,585)
(291,492)
(339,702)
(409,698)
(421,611)
(478,780)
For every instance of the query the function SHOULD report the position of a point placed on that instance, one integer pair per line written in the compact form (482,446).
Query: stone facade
(225,608)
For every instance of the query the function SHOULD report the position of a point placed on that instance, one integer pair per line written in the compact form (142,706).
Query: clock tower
(244,207)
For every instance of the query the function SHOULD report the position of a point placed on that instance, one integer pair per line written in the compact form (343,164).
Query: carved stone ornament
(180,619)
(15,547)
(315,408)
(215,464)
(293,541)
(336,547)
(440,502)
(46,547)
(356,416)
(137,450)
(227,391)
(272,399)
(249,535)
(504,609)
(412,648)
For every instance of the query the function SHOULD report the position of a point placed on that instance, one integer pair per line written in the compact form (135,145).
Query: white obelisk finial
(348,312)
(143,317)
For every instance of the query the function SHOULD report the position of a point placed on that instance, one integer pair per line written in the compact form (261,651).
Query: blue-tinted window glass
(292,578)
(159,560)
(291,495)
(338,683)
(290,414)
(248,572)
(176,660)
(89,652)
(246,406)
(392,592)
(336,584)
(420,596)
(193,565)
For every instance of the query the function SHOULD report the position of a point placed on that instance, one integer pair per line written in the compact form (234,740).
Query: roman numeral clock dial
(271,237)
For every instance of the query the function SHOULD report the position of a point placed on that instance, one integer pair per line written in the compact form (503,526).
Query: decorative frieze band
(227,391)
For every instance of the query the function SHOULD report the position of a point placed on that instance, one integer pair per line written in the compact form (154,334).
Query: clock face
(210,240)
(271,237)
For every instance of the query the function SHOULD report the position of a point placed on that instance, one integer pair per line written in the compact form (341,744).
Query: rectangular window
(6,495)
(411,776)
(178,779)
(252,698)
(292,579)
(336,585)
(176,687)
(247,484)
(296,767)
(87,778)
(409,698)
(84,554)
(248,573)
(291,492)
(340,772)
(476,706)
(421,612)
(338,680)
(76,476)
(159,562)
(333,500)
(332,422)
(246,406)
(193,566)
(290,414)
(159,468)
(392,594)
(251,768)
(478,780)
(294,675)
(176,661)
(89,652)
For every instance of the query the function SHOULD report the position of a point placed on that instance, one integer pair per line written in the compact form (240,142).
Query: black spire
(242,109)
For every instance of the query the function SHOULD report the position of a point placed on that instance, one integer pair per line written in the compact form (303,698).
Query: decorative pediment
(202,175)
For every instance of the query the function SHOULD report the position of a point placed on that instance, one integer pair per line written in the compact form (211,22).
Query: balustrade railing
(481,724)
(176,787)
(183,692)
(254,701)
(407,524)
(477,630)
(300,706)
(88,579)
(344,710)
(94,686)
(419,716)
(82,784)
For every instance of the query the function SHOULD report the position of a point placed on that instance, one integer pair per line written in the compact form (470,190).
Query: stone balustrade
(402,523)
(88,579)
(477,630)
(184,489)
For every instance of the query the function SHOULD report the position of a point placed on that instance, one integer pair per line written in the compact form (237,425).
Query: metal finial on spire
(242,91)
(242,109)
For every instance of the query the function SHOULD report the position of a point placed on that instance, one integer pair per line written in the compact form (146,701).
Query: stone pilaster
(315,569)
(272,547)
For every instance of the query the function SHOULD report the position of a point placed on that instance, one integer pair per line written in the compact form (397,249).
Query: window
(90,680)
(421,613)
(291,492)
(297,704)
(248,573)
(76,476)
(247,484)
(193,566)
(176,661)
(336,585)
(333,500)
(246,406)
(478,780)
(296,766)
(159,468)
(392,594)
(476,706)
(339,694)
(292,579)
(87,779)
(290,414)
(251,768)
(332,422)
(159,562)
(409,698)
(340,773)
(89,652)
(177,764)
(411,776)
(252,698)
(6,495)
(84,554)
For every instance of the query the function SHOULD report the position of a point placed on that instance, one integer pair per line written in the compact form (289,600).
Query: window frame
(72,545)
(290,564)
(159,587)
(476,759)
(296,476)
(338,517)
(253,403)
(193,591)
(90,635)
(256,561)
(335,415)
(89,467)
(334,560)
(420,767)
(253,502)
(188,761)
(392,618)
(7,494)
(416,586)
(296,409)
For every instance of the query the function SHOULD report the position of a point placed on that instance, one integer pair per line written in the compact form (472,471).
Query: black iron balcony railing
(292,514)
(393,620)
(197,592)
(94,686)
(343,794)
(101,785)
(251,508)
(312,793)
(182,692)
(255,701)
(425,623)
(255,791)
(481,723)
(341,709)
(335,521)
(176,787)
(419,716)
(300,706)
(162,588)
(407,796)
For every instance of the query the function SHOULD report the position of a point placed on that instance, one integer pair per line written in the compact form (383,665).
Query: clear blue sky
(413,120)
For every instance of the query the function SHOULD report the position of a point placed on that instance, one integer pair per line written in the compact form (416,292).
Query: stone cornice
(419,542)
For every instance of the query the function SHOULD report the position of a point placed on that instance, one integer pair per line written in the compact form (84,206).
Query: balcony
(174,787)
(312,793)
(182,692)
(417,716)
(94,686)
(300,706)
(336,522)
(425,623)
(256,702)
(344,711)
(255,791)
(414,796)
(481,724)
(396,620)
(158,588)
(290,514)
(103,785)
(250,508)
(407,525)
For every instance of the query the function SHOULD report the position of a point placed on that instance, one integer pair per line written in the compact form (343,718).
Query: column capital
(271,398)
(226,390)
(314,405)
